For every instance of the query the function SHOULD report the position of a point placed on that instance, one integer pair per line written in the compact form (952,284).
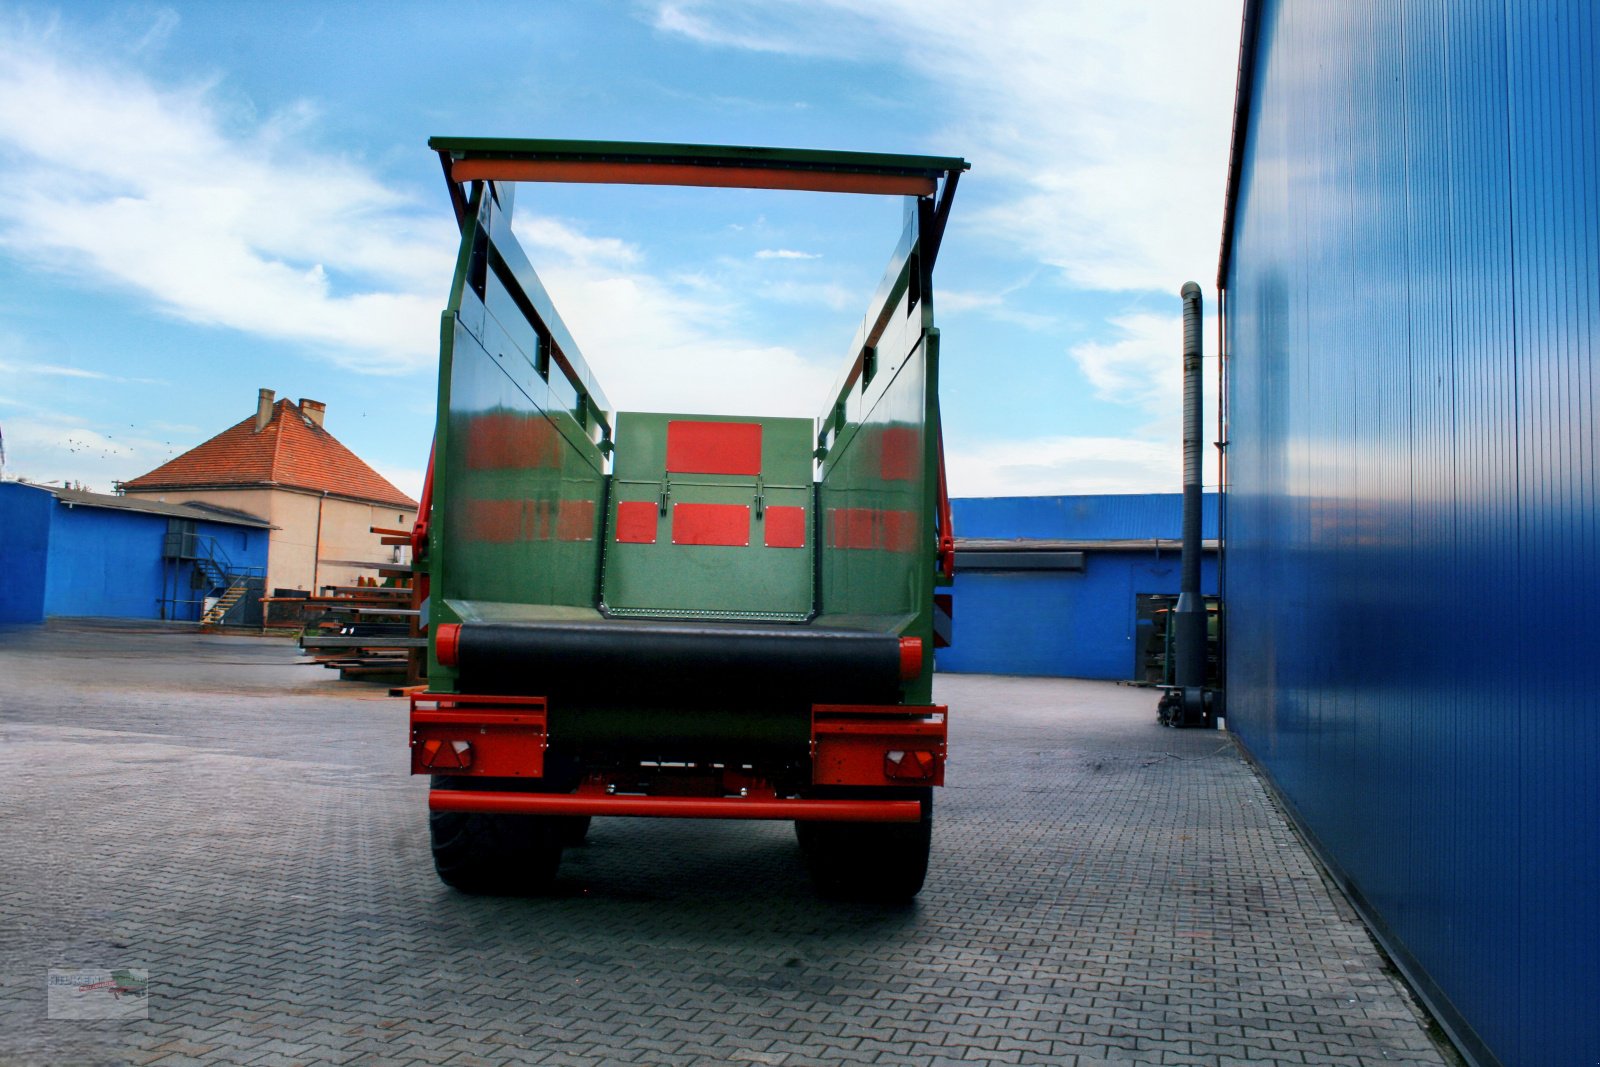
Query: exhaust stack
(1191,612)
(1188,702)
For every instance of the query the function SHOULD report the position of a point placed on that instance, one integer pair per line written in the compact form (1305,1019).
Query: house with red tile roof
(284,467)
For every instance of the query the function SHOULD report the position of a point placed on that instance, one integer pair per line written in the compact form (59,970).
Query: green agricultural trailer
(649,614)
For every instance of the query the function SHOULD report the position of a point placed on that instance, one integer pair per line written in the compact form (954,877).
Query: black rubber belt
(640,662)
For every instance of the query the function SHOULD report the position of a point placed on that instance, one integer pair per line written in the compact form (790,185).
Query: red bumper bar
(675,807)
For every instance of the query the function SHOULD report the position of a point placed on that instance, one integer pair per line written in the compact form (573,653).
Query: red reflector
(711,524)
(785,527)
(910,658)
(636,522)
(439,754)
(915,766)
(713,447)
(447,643)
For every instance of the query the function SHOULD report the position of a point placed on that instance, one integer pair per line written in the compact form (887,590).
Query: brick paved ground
(1103,891)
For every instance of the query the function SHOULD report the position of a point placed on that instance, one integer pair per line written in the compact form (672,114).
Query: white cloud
(812,294)
(1098,132)
(783,26)
(1049,466)
(113,178)
(1098,135)
(786,253)
(566,239)
(990,305)
(1142,367)
(57,370)
(110,177)
(675,348)
(48,446)
(668,343)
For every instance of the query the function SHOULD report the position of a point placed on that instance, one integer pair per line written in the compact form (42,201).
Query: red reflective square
(575,520)
(636,522)
(713,447)
(710,524)
(899,454)
(785,527)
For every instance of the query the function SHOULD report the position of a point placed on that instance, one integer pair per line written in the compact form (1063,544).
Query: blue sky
(199,200)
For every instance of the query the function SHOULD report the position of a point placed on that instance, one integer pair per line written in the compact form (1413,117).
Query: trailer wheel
(499,855)
(881,862)
(573,830)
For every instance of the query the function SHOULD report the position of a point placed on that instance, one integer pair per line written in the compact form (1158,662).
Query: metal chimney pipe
(1190,617)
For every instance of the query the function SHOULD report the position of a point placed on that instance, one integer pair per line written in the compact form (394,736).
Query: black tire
(573,830)
(500,855)
(884,863)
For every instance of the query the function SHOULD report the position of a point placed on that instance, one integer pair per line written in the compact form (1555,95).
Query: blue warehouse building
(1066,585)
(67,552)
(1411,294)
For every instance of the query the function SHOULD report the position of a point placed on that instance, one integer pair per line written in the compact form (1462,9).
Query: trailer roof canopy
(642,163)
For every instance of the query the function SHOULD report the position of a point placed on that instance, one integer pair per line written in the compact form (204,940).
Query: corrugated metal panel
(1078,624)
(1413,300)
(1114,516)
(25,514)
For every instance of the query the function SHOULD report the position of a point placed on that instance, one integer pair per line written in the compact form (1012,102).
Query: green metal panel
(712,581)
(519,485)
(879,484)
(648,152)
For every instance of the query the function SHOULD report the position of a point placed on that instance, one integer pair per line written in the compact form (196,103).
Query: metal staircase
(233,586)
(220,573)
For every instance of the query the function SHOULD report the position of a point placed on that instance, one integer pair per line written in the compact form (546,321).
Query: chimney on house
(313,410)
(264,400)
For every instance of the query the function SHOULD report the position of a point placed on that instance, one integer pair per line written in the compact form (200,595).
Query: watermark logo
(97,993)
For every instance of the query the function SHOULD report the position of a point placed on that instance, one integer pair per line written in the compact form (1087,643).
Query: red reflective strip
(675,807)
(713,447)
(722,177)
(495,521)
(863,528)
(850,528)
(899,531)
(575,520)
(506,440)
(899,452)
(711,524)
(636,522)
(785,527)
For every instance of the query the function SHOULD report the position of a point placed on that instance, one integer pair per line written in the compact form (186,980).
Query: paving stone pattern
(1103,891)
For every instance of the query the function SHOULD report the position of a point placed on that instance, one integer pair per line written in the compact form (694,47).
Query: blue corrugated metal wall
(1074,624)
(92,561)
(106,563)
(1413,297)
(1090,517)
(24,545)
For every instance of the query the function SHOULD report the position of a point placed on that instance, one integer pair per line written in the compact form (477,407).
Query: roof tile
(289,451)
